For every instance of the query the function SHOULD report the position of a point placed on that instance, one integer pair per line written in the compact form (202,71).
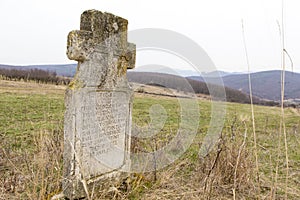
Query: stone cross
(98,103)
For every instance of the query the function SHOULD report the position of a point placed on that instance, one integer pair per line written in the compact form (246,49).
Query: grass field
(31,137)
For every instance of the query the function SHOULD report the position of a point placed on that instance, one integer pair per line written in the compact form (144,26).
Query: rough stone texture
(98,103)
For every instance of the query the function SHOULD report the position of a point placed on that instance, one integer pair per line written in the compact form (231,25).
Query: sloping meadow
(31,146)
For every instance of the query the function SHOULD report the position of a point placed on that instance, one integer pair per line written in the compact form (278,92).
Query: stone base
(92,188)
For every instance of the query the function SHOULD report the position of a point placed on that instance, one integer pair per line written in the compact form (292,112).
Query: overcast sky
(35,31)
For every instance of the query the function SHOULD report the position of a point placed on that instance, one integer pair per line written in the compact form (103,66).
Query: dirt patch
(163,92)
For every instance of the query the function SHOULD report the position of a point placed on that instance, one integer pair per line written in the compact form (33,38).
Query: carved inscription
(104,118)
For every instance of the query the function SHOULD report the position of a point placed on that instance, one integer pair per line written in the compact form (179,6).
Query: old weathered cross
(98,103)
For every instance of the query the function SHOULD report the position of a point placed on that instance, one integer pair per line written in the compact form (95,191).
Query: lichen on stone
(76,84)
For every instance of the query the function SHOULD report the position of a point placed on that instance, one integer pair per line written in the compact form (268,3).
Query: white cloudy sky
(35,31)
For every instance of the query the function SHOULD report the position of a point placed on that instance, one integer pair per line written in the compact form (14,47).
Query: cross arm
(79,45)
(130,55)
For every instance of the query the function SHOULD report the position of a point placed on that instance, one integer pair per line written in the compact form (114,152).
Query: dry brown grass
(211,177)
(32,173)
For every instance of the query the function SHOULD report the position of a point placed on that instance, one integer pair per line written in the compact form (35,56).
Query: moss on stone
(75,84)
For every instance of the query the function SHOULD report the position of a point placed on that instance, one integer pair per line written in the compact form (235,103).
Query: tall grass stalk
(283,52)
(282,129)
(252,111)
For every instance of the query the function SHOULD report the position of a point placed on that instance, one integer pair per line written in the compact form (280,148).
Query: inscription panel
(105,116)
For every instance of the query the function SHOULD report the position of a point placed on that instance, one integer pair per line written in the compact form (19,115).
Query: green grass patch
(24,117)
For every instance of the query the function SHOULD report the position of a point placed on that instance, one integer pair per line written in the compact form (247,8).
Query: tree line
(36,75)
(194,86)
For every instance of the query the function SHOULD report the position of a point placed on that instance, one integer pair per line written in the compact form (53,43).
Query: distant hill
(61,70)
(190,85)
(166,70)
(215,74)
(265,85)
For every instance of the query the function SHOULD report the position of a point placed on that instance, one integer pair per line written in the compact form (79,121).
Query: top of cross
(102,32)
